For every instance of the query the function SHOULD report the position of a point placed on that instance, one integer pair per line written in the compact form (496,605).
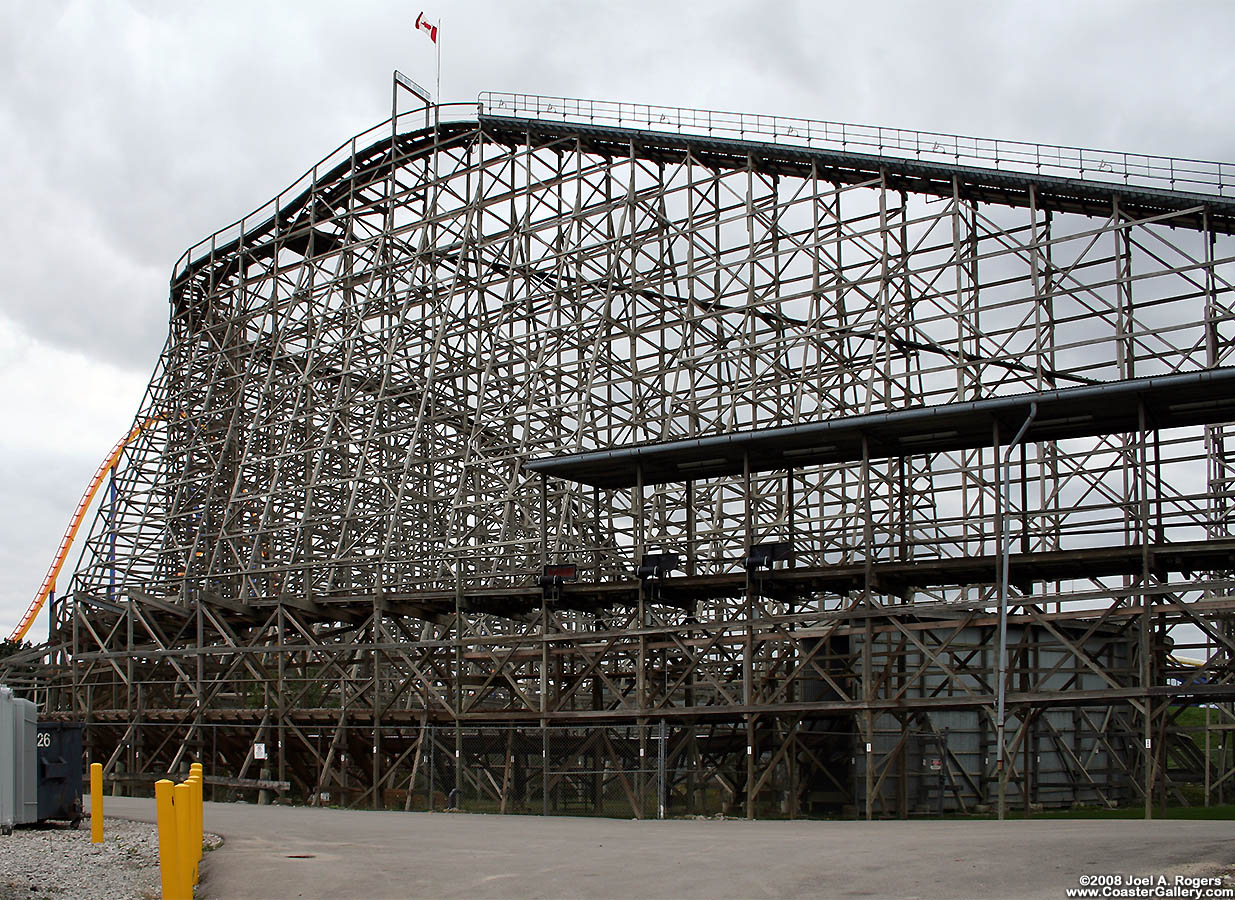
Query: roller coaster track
(66,542)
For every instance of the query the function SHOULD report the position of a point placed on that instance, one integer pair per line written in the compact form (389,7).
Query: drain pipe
(1002,671)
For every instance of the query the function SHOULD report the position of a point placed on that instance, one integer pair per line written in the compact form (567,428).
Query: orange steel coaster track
(70,533)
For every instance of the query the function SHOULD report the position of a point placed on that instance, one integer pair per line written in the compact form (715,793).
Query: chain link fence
(812,766)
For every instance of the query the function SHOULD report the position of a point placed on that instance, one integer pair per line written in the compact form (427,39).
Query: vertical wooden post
(868,637)
(748,642)
(1144,642)
(641,674)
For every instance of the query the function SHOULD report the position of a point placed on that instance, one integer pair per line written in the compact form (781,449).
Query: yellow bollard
(96,803)
(198,771)
(184,835)
(169,844)
(195,844)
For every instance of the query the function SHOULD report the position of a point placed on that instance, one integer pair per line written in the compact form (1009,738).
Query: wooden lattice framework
(328,542)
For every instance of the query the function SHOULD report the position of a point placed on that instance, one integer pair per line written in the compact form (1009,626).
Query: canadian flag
(423,24)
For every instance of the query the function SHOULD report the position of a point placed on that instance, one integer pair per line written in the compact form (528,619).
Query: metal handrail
(446,113)
(1109,166)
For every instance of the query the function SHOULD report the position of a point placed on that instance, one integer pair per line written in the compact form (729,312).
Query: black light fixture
(761,556)
(657,565)
(557,575)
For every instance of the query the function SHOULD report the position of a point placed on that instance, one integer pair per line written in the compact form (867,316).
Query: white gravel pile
(60,862)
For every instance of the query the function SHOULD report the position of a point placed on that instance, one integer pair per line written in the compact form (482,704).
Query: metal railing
(1112,166)
(408,120)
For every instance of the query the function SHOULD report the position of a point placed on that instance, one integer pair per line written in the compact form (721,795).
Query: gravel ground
(60,862)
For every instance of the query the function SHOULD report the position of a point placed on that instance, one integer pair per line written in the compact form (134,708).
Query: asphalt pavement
(273,852)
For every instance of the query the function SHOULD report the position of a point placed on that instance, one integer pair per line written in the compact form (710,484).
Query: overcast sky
(132,130)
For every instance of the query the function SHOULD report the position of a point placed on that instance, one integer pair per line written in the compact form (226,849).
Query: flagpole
(438,44)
